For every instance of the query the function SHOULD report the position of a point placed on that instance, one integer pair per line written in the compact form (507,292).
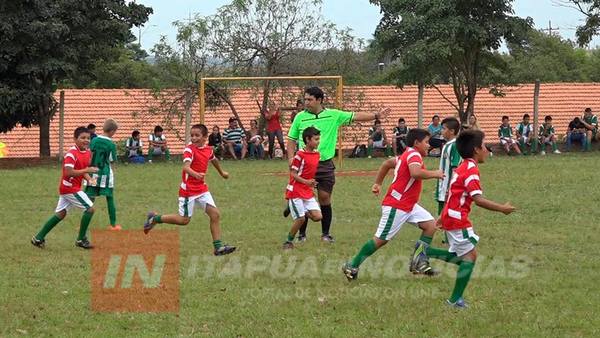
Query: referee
(328,122)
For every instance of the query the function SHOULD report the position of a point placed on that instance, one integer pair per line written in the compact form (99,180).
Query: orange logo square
(133,272)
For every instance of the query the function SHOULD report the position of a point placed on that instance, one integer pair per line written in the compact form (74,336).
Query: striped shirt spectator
(235,139)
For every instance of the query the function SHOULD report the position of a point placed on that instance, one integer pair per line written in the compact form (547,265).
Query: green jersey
(449,160)
(546,130)
(104,152)
(524,129)
(591,119)
(328,121)
(505,131)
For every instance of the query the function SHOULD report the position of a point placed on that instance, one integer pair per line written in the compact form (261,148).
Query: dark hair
(309,133)
(135,133)
(401,120)
(526,116)
(215,126)
(376,121)
(467,141)
(80,130)
(504,117)
(91,126)
(452,124)
(299,101)
(316,92)
(588,110)
(548,118)
(434,116)
(203,129)
(416,134)
(232,119)
(158,129)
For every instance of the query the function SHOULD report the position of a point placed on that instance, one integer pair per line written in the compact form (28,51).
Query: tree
(44,42)
(449,41)
(591,27)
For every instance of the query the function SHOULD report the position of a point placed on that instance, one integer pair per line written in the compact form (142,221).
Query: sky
(359,15)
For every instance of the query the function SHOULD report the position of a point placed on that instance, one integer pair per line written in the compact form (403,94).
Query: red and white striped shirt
(306,163)
(464,185)
(76,159)
(199,158)
(405,191)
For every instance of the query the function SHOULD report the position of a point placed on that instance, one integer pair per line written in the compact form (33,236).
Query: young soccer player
(193,191)
(547,136)
(299,192)
(465,188)
(525,134)
(506,136)
(76,167)
(400,205)
(104,151)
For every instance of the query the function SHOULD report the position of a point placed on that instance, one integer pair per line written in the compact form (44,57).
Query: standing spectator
(437,140)
(158,144)
(377,140)
(399,138)
(255,146)
(547,136)
(274,128)
(524,133)
(299,108)
(92,128)
(133,145)
(215,140)
(506,136)
(577,132)
(235,139)
(590,121)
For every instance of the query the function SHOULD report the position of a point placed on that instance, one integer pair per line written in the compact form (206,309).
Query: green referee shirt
(327,122)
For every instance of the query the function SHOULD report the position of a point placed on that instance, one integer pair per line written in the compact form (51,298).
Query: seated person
(524,133)
(158,144)
(235,139)
(547,136)
(215,140)
(399,137)
(377,140)
(577,133)
(436,142)
(133,145)
(590,121)
(255,142)
(506,136)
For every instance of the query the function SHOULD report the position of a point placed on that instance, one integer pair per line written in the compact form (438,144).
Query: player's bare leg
(214,216)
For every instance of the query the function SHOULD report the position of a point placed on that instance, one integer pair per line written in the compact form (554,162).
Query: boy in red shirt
(465,188)
(299,192)
(400,205)
(75,168)
(193,191)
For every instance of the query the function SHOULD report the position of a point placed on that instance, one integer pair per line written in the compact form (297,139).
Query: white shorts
(462,241)
(187,204)
(524,139)
(506,140)
(392,220)
(378,144)
(546,139)
(299,206)
(78,200)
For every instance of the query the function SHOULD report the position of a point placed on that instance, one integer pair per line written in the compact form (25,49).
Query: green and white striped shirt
(449,160)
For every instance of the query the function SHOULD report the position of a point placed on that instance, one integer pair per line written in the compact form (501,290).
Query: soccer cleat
(288,245)
(350,272)
(149,224)
(542,153)
(286,211)
(301,238)
(117,227)
(224,250)
(459,304)
(40,243)
(556,151)
(419,262)
(84,244)
(327,238)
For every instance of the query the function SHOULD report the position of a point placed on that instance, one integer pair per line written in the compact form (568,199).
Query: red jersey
(463,186)
(76,159)
(273,123)
(306,163)
(199,158)
(404,192)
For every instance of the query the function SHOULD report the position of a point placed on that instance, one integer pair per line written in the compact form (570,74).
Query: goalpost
(338,96)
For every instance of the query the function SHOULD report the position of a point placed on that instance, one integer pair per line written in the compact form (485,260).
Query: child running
(193,191)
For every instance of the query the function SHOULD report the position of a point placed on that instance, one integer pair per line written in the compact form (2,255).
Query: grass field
(537,274)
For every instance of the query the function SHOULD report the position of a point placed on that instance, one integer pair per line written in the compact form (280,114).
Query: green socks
(217,244)
(167,155)
(157,219)
(112,210)
(426,239)
(442,254)
(85,223)
(290,237)
(462,279)
(554,146)
(51,223)
(367,250)
(370,151)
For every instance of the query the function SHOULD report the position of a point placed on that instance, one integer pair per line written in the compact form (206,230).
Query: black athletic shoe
(419,262)
(350,272)
(224,250)
(288,245)
(40,243)
(286,211)
(84,244)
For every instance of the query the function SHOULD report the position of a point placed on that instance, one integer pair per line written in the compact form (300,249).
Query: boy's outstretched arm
(381,173)
(217,165)
(483,202)
(423,174)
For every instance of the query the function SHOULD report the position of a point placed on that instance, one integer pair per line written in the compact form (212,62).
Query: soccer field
(536,275)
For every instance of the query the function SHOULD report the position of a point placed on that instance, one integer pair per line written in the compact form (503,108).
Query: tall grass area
(537,274)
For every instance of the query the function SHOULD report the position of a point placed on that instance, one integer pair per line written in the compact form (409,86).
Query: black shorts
(325,176)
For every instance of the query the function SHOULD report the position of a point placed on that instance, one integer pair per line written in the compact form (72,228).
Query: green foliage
(591,26)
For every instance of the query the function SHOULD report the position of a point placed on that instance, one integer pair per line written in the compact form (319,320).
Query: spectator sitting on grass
(158,144)
(547,136)
(590,121)
(377,140)
(436,142)
(399,137)
(524,133)
(215,140)
(506,136)
(576,133)
(256,149)
(235,139)
(133,145)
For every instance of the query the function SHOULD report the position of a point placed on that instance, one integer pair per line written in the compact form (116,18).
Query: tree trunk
(229,103)
(44,123)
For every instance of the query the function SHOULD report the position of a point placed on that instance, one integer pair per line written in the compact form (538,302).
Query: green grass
(537,273)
